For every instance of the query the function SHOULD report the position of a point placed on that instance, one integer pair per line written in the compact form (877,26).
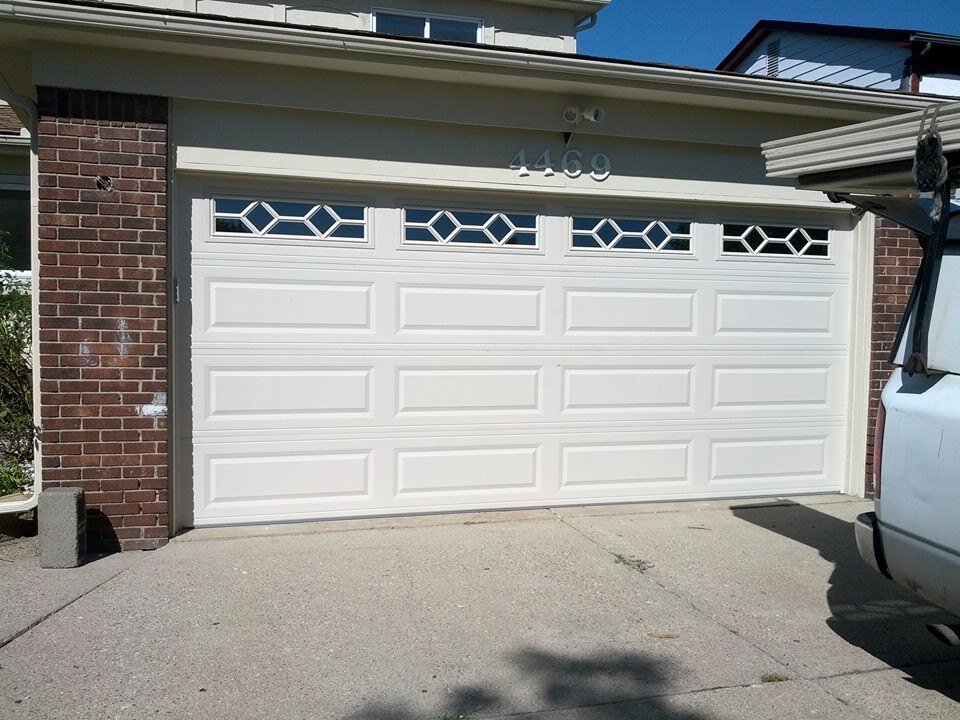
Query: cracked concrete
(519,615)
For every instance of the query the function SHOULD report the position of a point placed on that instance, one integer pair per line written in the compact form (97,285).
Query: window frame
(650,218)
(216,236)
(753,256)
(426,17)
(492,247)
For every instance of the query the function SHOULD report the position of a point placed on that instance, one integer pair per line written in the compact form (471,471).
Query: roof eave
(43,21)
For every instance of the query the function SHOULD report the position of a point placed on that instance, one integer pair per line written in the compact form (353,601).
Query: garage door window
(423,226)
(775,240)
(287,219)
(630,234)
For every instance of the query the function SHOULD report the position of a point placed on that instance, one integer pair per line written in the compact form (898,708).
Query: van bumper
(869,542)
(927,570)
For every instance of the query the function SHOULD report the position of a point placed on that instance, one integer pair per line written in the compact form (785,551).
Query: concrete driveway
(672,612)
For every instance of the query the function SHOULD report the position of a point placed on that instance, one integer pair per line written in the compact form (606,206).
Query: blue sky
(699,33)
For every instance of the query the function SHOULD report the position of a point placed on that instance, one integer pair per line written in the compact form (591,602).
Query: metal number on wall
(571,164)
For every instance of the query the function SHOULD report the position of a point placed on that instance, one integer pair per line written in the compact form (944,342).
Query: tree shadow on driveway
(603,686)
(867,610)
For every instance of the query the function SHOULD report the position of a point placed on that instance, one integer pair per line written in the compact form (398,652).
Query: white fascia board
(873,143)
(30,21)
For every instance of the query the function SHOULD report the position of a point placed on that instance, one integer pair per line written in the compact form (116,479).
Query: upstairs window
(435,27)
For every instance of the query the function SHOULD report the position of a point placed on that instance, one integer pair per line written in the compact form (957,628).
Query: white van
(913,536)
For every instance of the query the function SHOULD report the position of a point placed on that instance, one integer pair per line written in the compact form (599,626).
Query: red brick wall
(103,308)
(9,122)
(896,259)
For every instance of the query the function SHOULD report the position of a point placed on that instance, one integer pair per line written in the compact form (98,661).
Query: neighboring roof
(763,28)
(874,157)
(9,122)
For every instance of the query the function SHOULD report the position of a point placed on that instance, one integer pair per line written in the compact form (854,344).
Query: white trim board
(251,163)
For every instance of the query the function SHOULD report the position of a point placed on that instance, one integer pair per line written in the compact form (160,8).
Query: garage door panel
(255,307)
(594,389)
(454,390)
(766,313)
(774,388)
(774,459)
(624,466)
(387,475)
(272,393)
(263,305)
(473,310)
(336,380)
(468,471)
(628,311)
(246,482)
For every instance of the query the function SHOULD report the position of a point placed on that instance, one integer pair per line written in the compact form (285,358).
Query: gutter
(199,30)
(910,72)
(17,100)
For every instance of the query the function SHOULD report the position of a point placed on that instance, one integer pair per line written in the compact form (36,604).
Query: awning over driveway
(871,166)
(870,158)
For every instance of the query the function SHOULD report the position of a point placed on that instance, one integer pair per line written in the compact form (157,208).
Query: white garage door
(356,355)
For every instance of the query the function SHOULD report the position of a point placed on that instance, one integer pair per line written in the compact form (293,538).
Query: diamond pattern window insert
(289,219)
(469,227)
(775,240)
(630,234)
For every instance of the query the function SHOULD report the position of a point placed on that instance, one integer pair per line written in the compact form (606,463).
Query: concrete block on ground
(62,527)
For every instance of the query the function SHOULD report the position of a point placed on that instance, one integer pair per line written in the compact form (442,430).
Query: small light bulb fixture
(594,114)
(574,115)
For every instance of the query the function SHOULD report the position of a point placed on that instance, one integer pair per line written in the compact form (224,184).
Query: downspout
(909,70)
(589,23)
(30,107)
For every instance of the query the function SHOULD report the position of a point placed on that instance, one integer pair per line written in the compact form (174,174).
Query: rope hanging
(930,167)
(931,170)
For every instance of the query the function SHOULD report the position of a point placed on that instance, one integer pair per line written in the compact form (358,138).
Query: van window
(943,337)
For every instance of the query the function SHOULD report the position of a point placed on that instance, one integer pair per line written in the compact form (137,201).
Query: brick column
(103,309)
(895,261)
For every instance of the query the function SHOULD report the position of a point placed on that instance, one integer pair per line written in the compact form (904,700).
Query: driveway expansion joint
(700,611)
(23,631)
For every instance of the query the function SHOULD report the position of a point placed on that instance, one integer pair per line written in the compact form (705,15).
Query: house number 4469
(571,164)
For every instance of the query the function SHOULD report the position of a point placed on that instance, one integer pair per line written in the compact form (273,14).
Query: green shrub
(17,431)
(14,476)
